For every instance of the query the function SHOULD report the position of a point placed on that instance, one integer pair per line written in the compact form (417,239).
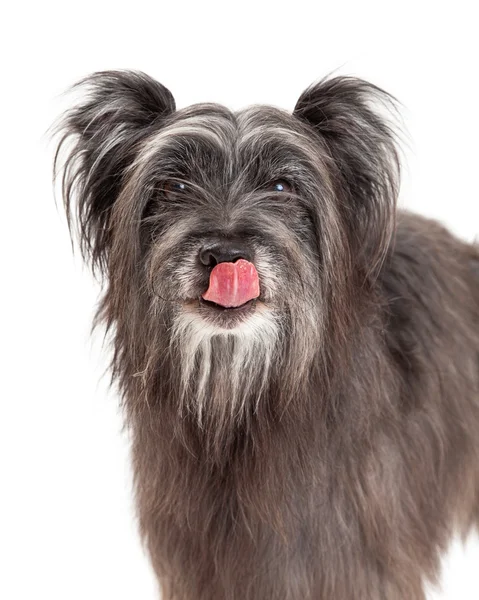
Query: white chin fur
(222,367)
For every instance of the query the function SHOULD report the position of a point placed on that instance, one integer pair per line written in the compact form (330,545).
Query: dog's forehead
(243,120)
(210,121)
(266,118)
(212,132)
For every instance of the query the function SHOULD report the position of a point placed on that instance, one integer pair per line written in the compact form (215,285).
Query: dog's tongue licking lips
(233,284)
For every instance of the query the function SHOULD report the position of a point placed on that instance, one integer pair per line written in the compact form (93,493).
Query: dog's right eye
(172,186)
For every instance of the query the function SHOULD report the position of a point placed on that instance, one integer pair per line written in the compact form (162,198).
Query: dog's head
(300,206)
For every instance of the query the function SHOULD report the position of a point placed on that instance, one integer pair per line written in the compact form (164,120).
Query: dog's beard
(223,369)
(223,363)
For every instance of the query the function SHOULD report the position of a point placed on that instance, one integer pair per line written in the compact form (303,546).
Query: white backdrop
(67,527)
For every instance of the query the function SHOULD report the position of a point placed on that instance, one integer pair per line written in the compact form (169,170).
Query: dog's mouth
(225,317)
(232,284)
(245,307)
(232,296)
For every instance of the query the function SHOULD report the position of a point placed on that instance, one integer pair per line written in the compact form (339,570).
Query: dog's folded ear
(100,137)
(352,117)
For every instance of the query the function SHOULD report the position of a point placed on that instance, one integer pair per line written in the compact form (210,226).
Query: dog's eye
(279,186)
(172,186)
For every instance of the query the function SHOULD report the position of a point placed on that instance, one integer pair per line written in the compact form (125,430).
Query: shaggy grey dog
(298,361)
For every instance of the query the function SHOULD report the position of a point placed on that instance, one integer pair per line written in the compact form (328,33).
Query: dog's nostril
(207,258)
(211,255)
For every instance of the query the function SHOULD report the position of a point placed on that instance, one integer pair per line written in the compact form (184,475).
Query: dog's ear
(350,117)
(117,111)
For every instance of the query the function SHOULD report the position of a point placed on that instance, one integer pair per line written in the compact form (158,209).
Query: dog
(298,360)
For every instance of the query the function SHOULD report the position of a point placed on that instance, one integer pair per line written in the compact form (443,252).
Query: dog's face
(212,186)
(304,200)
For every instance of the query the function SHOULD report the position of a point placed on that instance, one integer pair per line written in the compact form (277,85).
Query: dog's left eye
(279,186)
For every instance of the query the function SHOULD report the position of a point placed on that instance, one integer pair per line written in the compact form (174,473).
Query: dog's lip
(200,302)
(221,316)
(225,309)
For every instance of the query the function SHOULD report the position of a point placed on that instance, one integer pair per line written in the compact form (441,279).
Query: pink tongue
(233,284)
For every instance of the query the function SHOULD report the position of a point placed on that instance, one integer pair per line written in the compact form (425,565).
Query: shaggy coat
(322,441)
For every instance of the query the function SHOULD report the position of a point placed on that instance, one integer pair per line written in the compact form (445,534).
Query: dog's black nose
(223,251)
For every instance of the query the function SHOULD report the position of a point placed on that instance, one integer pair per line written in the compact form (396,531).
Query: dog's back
(431,285)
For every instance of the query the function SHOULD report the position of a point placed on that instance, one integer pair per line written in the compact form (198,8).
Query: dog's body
(321,440)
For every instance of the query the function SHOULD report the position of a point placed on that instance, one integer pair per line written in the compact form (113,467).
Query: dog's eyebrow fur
(321,442)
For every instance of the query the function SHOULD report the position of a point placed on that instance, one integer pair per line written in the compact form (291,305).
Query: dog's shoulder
(430,279)
(425,253)
(429,286)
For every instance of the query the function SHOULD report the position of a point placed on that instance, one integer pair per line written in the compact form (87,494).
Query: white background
(67,529)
